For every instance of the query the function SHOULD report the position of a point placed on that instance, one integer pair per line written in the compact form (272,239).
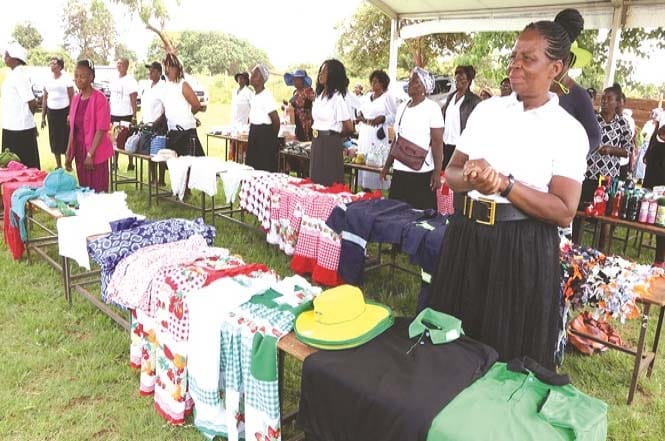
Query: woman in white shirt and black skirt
(332,121)
(262,143)
(419,120)
(498,269)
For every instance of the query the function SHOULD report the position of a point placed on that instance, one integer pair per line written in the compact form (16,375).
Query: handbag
(121,133)
(407,152)
(145,139)
(132,143)
(381,134)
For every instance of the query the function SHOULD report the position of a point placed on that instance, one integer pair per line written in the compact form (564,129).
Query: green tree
(89,30)
(41,57)
(27,35)
(364,44)
(210,52)
(153,13)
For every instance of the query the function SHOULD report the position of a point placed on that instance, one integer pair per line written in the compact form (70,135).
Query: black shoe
(131,167)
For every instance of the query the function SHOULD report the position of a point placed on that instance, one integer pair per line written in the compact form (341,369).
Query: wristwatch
(509,187)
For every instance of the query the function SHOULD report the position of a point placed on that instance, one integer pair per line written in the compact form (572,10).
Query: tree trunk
(168,45)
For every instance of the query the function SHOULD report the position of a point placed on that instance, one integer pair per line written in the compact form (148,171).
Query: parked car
(103,77)
(200,91)
(38,76)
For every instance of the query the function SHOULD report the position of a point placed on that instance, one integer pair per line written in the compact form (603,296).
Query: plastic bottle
(653,209)
(623,209)
(644,210)
(634,206)
(660,214)
(616,205)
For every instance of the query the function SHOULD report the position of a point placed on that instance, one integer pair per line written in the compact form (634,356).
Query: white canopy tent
(443,16)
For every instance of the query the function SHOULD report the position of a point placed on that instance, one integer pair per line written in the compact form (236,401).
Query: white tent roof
(510,15)
(445,16)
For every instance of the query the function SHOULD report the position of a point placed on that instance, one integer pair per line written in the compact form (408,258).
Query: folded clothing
(383,391)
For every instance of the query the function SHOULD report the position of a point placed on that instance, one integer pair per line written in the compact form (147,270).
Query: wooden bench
(290,345)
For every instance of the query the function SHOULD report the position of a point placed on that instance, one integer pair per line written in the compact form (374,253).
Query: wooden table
(643,359)
(226,139)
(614,222)
(137,179)
(289,344)
(349,168)
(72,280)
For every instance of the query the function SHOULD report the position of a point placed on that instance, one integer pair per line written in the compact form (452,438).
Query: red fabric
(236,271)
(444,198)
(11,234)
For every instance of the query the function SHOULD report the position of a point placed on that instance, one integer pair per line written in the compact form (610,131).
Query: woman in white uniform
(377,114)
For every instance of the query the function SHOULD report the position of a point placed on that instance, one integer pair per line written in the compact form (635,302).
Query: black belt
(316,133)
(486,211)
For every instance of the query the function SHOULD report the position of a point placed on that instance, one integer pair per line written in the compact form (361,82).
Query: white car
(200,91)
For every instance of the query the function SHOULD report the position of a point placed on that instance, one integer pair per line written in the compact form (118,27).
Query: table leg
(280,378)
(68,283)
(656,339)
(640,349)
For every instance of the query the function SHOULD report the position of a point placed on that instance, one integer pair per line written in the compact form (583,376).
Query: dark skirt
(448,150)
(413,188)
(58,130)
(326,160)
(24,144)
(262,147)
(503,282)
(184,142)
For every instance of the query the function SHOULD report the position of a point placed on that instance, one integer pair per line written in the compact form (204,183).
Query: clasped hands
(483,177)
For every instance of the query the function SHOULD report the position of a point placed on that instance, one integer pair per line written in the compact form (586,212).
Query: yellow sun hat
(342,319)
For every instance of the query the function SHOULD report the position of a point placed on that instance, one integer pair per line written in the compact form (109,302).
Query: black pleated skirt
(58,130)
(326,160)
(24,144)
(503,282)
(413,188)
(262,147)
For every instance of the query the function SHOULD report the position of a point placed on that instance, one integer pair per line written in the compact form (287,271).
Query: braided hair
(173,61)
(558,39)
(337,79)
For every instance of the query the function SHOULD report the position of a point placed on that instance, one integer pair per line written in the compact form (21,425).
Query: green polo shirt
(506,405)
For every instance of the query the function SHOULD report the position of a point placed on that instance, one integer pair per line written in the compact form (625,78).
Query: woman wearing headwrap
(262,144)
(332,121)
(457,109)
(420,121)
(572,96)
(498,269)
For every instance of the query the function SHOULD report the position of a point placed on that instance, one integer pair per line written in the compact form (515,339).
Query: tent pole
(618,21)
(394,46)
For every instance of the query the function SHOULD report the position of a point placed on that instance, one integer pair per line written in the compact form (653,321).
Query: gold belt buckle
(491,207)
(315,133)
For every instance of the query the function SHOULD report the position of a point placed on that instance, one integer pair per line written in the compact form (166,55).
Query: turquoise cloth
(59,187)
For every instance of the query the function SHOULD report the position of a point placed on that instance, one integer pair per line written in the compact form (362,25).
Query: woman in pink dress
(89,141)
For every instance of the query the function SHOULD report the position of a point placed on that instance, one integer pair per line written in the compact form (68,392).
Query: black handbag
(145,139)
(381,134)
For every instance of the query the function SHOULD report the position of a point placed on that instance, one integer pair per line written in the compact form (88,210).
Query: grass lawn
(65,373)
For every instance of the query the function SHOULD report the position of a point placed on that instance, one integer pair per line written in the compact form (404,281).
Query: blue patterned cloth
(109,250)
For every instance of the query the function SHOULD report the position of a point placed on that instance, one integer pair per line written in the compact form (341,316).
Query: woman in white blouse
(240,105)
(377,114)
(419,120)
(498,269)
(332,121)
(180,106)
(262,145)
(58,93)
